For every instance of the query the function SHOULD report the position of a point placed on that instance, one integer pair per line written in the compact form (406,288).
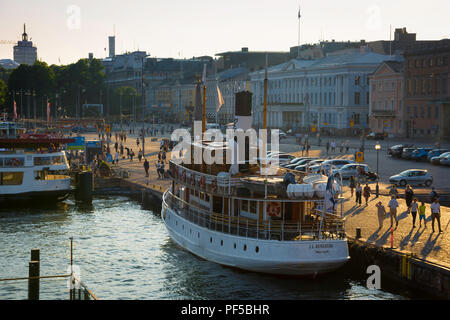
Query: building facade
(386,100)
(24,52)
(328,95)
(427,92)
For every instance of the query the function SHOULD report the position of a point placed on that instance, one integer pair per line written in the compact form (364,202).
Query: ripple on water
(124,252)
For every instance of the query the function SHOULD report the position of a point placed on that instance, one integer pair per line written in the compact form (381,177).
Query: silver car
(445,160)
(412,177)
(351,170)
(329,164)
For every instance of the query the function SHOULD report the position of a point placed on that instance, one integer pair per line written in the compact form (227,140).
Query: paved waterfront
(421,242)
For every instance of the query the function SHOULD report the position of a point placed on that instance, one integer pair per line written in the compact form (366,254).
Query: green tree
(3,93)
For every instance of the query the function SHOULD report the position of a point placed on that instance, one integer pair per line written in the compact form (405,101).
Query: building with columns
(328,95)
(386,113)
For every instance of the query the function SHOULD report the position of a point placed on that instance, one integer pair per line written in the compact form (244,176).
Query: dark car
(375,136)
(407,153)
(397,150)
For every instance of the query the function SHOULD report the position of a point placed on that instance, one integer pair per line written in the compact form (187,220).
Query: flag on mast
(299,15)
(48,110)
(204,75)
(15,110)
(220,101)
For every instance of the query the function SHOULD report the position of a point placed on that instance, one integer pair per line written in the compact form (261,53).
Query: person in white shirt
(116,158)
(414,208)
(436,213)
(393,205)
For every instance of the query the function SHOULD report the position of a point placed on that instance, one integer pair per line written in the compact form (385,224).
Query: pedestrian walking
(140,155)
(433,195)
(409,195)
(116,146)
(394,192)
(367,192)
(414,209)
(137,142)
(352,184)
(328,146)
(436,214)
(422,216)
(333,146)
(116,158)
(164,156)
(381,214)
(347,146)
(393,205)
(341,149)
(358,193)
(131,155)
(146,167)
(158,167)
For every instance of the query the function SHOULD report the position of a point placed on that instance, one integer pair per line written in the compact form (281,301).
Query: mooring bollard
(34,271)
(358,233)
(33,284)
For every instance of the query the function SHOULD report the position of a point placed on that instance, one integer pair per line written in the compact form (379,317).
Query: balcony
(384,114)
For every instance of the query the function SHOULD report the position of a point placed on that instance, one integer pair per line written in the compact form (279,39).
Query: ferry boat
(244,219)
(32,166)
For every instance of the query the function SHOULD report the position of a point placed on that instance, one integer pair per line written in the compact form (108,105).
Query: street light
(378,148)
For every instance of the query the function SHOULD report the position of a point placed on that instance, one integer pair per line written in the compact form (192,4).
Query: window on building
(357,80)
(357,98)
(429,112)
(436,111)
(422,112)
(415,112)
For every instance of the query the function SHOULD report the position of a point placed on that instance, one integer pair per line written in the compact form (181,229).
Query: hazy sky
(66,30)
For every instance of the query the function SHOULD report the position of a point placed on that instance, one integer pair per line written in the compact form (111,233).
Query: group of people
(413,207)
(343,145)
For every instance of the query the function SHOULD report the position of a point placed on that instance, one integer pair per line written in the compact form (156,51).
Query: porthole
(245,247)
(257,249)
(198,234)
(221,243)
(210,239)
(235,245)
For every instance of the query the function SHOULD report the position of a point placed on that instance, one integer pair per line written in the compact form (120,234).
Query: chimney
(245,49)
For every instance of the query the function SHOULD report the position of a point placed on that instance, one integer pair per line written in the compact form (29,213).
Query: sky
(66,30)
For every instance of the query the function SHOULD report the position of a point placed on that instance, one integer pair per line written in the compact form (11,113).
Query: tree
(3,93)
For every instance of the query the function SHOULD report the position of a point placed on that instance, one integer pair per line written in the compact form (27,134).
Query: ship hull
(294,258)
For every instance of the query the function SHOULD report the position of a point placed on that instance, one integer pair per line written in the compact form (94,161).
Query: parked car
(296,162)
(445,160)
(412,177)
(351,170)
(304,167)
(437,160)
(375,136)
(303,163)
(407,153)
(329,164)
(397,150)
(436,153)
(420,154)
(283,158)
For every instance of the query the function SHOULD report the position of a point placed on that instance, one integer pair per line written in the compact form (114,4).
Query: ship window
(257,249)
(12,162)
(245,247)
(221,243)
(253,206)
(244,205)
(42,161)
(11,178)
(235,245)
(210,239)
(198,235)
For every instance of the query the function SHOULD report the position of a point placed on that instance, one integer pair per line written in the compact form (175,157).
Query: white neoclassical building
(330,94)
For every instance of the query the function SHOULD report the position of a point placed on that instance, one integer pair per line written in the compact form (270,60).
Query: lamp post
(378,148)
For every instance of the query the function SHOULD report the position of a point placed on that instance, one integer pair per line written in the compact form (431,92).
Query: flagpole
(298,50)
(204,101)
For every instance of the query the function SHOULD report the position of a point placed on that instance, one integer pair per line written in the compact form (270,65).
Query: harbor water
(123,251)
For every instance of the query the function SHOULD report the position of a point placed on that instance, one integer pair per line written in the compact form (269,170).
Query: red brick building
(427,92)
(386,113)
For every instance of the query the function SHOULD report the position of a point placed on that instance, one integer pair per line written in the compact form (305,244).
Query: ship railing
(204,182)
(332,227)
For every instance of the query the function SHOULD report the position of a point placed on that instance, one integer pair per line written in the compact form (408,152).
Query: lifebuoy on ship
(273,209)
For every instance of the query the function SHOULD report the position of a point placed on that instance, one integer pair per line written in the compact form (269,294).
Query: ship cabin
(287,206)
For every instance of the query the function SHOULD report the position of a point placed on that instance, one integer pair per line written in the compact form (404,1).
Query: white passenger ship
(32,167)
(234,220)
